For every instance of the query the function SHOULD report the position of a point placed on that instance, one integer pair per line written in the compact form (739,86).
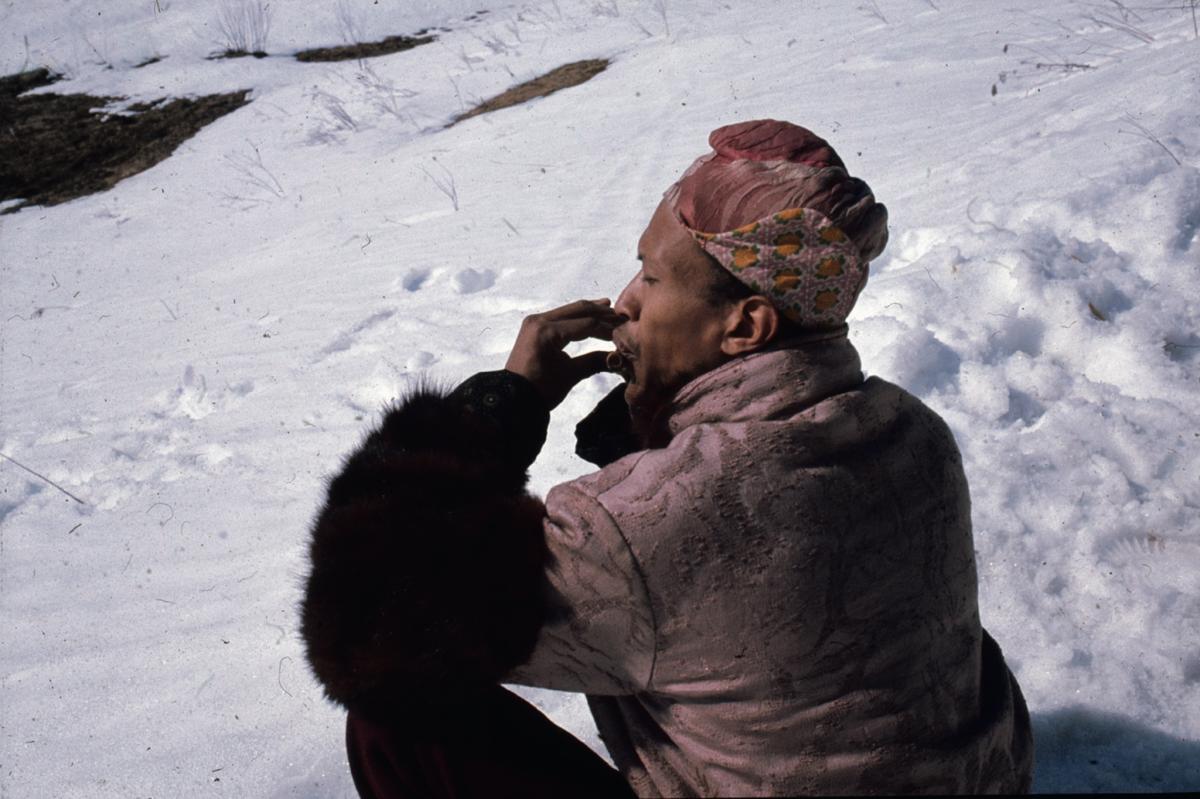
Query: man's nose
(627,303)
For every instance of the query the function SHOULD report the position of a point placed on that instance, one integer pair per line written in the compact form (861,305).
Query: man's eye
(648,280)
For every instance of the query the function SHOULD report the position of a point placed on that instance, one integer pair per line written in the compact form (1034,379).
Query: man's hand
(538,353)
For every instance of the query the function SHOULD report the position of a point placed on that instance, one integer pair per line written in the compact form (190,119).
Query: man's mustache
(625,348)
(621,361)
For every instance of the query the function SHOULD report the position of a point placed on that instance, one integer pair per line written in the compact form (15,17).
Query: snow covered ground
(191,353)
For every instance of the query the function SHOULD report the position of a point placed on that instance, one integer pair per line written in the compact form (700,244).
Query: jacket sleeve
(434,574)
(599,633)
(427,556)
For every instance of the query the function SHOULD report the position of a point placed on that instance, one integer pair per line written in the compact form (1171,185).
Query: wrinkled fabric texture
(743,178)
(783,599)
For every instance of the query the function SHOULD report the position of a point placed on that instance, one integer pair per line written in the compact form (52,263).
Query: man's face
(674,332)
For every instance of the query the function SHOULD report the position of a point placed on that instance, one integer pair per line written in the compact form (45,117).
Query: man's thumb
(588,364)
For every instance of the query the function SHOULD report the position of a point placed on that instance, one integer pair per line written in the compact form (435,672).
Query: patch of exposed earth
(57,147)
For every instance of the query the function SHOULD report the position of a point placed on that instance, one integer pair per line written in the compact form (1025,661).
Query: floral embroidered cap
(798,258)
(774,205)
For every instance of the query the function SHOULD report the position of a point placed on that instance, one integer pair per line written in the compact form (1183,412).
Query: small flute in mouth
(620,363)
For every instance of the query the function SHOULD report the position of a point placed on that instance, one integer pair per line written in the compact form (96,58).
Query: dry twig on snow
(42,477)
(244,26)
(445,184)
(1148,136)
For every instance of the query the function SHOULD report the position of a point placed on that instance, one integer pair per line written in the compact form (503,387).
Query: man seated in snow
(769,586)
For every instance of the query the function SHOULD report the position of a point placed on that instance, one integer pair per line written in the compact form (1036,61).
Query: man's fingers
(537,353)
(561,331)
(579,308)
(574,321)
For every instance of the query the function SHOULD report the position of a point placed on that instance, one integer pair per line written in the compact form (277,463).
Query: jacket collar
(774,383)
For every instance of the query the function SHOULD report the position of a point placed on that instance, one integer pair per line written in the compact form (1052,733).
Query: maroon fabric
(500,747)
(719,194)
(772,140)
(764,166)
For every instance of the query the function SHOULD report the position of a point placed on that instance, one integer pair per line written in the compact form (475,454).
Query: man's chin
(635,395)
(645,413)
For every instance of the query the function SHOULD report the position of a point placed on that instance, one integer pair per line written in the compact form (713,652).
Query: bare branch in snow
(244,25)
(348,22)
(279,675)
(444,184)
(513,26)
(254,172)
(1065,66)
(42,477)
(1148,136)
(1126,12)
(1108,22)
(383,92)
(661,7)
(605,8)
(872,8)
(336,110)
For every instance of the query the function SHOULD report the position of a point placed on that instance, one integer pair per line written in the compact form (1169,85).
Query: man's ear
(750,325)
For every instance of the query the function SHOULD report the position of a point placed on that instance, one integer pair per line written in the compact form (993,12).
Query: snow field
(192,352)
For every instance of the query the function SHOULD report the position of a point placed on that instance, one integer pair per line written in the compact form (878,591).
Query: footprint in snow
(10,502)
(189,398)
(470,281)
(422,360)
(414,279)
(192,397)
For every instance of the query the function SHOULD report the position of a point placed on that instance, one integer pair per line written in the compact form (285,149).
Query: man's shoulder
(653,487)
(906,408)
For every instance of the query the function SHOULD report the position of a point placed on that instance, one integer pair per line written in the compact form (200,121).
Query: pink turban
(774,205)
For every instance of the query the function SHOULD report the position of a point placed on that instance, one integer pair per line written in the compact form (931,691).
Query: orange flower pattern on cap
(786,281)
(788,245)
(743,258)
(798,258)
(829,267)
(825,300)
